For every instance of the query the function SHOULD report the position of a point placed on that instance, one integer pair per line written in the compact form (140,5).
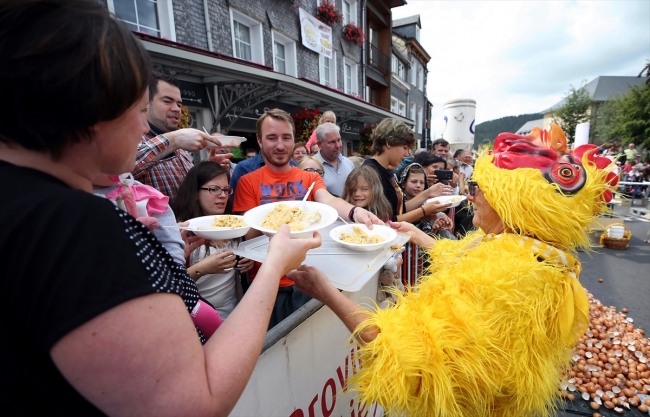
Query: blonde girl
(363,189)
(326,117)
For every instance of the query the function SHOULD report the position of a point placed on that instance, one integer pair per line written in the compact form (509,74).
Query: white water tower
(459,118)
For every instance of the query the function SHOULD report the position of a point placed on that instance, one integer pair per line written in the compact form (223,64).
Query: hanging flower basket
(186,118)
(328,14)
(305,120)
(365,145)
(353,33)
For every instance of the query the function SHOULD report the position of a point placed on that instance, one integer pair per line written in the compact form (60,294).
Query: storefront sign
(194,94)
(316,35)
(350,129)
(248,119)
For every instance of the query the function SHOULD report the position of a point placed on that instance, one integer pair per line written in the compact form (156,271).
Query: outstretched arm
(313,282)
(143,357)
(417,236)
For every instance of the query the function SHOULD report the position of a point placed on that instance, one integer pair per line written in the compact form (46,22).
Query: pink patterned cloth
(157,204)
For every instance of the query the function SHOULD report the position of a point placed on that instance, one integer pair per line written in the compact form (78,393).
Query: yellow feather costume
(490,330)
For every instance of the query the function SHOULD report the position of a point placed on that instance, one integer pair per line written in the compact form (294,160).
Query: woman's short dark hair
(426,159)
(186,205)
(66,65)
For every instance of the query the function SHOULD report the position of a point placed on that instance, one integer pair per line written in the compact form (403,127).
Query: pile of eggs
(610,363)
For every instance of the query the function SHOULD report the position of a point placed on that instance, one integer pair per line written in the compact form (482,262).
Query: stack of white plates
(616,232)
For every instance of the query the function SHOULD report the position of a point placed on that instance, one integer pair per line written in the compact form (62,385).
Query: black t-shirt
(68,256)
(389,189)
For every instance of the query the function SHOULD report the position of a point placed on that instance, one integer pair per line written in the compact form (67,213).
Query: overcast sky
(516,57)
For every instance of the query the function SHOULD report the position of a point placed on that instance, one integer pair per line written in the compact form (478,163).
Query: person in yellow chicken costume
(489,329)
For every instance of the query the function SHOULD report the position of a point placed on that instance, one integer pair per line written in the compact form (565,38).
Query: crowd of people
(630,168)
(110,309)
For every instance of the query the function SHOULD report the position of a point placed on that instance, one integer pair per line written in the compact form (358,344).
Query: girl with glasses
(312,164)
(213,266)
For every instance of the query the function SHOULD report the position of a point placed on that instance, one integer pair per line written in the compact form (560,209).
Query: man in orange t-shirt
(279,181)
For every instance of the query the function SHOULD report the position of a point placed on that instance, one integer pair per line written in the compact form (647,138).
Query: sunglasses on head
(472,188)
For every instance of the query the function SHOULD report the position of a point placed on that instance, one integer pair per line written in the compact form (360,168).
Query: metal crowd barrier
(412,264)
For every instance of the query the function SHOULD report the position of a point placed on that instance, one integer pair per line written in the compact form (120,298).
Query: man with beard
(163,160)
(278,181)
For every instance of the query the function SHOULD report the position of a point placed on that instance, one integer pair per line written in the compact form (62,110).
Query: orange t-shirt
(264,186)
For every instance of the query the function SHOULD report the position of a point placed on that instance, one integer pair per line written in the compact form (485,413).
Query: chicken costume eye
(569,177)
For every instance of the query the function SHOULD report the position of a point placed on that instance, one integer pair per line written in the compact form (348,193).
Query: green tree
(604,123)
(574,111)
(631,119)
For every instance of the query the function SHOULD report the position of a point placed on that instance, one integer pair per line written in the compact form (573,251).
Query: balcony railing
(378,60)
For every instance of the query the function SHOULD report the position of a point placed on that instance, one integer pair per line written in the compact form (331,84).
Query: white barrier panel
(305,373)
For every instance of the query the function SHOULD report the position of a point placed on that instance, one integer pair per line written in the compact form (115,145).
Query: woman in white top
(213,266)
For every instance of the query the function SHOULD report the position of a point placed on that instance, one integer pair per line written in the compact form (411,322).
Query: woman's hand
(191,242)
(285,254)
(435,207)
(217,155)
(461,184)
(439,189)
(417,236)
(443,222)
(217,263)
(454,180)
(313,282)
(244,265)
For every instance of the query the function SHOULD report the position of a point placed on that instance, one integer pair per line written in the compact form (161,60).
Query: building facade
(600,90)
(409,76)
(236,58)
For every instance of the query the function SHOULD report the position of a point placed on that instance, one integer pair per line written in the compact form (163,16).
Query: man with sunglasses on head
(336,166)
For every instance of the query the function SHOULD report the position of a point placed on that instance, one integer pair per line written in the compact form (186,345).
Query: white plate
(446,199)
(254,217)
(197,224)
(347,269)
(386,232)
(227,141)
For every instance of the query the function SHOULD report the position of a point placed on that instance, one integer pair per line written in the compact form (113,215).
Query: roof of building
(400,45)
(407,21)
(529,126)
(605,88)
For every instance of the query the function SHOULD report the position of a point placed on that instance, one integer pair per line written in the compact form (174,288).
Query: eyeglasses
(217,190)
(472,188)
(318,171)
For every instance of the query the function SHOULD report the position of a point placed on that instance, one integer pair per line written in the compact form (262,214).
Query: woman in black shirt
(96,316)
